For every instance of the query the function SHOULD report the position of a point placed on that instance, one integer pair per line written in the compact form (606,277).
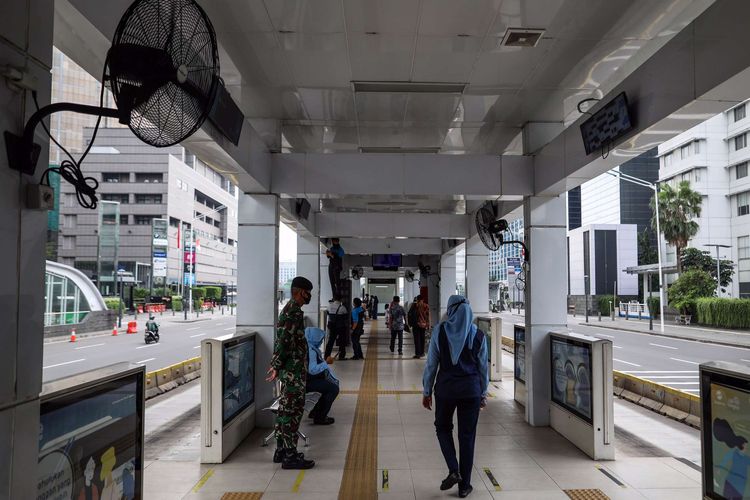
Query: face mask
(307,298)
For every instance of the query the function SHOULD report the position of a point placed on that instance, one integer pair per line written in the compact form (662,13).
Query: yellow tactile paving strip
(591,494)
(381,392)
(242,495)
(360,471)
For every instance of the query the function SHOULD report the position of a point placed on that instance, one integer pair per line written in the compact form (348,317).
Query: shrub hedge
(213,292)
(176,303)
(112,303)
(603,303)
(725,313)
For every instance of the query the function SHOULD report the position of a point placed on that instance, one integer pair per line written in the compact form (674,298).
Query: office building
(152,183)
(713,156)
(287,271)
(498,260)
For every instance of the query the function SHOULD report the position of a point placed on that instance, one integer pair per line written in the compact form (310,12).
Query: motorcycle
(151,336)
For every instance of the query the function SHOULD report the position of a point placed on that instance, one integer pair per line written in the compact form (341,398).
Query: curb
(673,403)
(168,378)
(659,334)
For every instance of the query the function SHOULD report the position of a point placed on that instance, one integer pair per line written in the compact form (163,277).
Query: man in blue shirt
(335,256)
(358,328)
(320,378)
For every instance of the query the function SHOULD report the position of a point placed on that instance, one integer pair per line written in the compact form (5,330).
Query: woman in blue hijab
(320,377)
(458,356)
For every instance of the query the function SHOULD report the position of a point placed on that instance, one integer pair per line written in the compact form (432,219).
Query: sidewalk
(732,338)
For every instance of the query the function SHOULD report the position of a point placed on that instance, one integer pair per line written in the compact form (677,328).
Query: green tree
(689,287)
(677,209)
(693,258)
(646,251)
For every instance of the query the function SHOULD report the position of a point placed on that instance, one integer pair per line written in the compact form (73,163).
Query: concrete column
(257,279)
(26,42)
(308,265)
(546,296)
(477,275)
(447,279)
(326,293)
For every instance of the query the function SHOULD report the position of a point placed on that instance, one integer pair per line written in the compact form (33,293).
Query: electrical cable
(590,99)
(70,169)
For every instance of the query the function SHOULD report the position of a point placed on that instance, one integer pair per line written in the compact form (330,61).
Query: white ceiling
(290,64)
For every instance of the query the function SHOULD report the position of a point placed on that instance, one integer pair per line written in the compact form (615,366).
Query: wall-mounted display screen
(519,353)
(386,261)
(607,125)
(239,377)
(571,376)
(90,442)
(726,436)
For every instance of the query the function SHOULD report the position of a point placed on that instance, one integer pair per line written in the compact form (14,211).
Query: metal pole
(650,312)
(658,252)
(119,318)
(192,270)
(718,273)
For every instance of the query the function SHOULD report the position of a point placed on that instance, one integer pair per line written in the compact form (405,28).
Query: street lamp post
(192,250)
(655,189)
(718,265)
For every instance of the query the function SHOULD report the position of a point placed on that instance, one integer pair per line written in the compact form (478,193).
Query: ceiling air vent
(376,149)
(410,87)
(521,37)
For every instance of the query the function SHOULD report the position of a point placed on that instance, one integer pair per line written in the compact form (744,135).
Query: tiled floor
(527,463)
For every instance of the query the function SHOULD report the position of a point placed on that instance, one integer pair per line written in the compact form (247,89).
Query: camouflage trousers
(291,408)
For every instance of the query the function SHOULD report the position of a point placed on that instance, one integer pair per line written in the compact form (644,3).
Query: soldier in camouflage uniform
(289,365)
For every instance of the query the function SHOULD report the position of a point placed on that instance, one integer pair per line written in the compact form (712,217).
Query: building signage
(159,233)
(159,246)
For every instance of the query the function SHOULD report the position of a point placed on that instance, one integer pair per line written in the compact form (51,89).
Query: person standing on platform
(458,356)
(358,328)
(289,365)
(374,308)
(335,256)
(419,321)
(396,321)
(338,327)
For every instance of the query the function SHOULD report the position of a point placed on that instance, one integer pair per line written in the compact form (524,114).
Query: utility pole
(718,265)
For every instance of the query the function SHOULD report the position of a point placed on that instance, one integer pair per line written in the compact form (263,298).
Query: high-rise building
(713,156)
(287,271)
(151,183)
(498,260)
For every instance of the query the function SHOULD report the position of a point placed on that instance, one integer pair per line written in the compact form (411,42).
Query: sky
(287,244)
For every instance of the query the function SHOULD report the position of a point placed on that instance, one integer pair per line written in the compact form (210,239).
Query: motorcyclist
(152,325)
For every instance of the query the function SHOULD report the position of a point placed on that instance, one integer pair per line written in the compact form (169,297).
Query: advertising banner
(519,353)
(90,442)
(159,233)
(239,378)
(571,376)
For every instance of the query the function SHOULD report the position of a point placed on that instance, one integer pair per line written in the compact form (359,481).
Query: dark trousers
(400,335)
(328,391)
(334,275)
(468,416)
(418,340)
(356,346)
(332,336)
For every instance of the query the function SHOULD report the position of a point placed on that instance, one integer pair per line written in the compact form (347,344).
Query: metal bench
(311,399)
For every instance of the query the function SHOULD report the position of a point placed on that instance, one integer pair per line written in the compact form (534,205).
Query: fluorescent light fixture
(378,149)
(409,87)
(522,37)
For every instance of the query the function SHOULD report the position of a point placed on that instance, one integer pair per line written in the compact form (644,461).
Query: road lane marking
(230,328)
(197,347)
(602,335)
(617,346)
(626,362)
(147,345)
(680,383)
(193,328)
(197,335)
(684,361)
(220,324)
(65,363)
(745,360)
(649,377)
(145,360)
(88,346)
(664,346)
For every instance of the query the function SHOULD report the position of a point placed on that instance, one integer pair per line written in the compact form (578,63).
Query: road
(179,341)
(668,361)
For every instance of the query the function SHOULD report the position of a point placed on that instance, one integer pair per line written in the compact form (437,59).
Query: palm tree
(677,209)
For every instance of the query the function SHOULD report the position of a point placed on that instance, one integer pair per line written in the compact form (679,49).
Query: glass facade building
(65,303)
(498,260)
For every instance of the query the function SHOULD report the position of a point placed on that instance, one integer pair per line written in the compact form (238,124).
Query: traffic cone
(114,330)
(73,335)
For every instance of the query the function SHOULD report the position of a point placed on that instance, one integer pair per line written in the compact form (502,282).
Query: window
(124,220)
(69,221)
(739,112)
(743,204)
(697,175)
(115,177)
(684,151)
(149,178)
(119,197)
(174,222)
(741,170)
(667,159)
(145,220)
(69,242)
(743,266)
(697,147)
(148,199)
(740,142)
(70,200)
(179,184)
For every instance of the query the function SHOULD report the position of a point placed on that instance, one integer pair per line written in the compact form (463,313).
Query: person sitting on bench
(320,377)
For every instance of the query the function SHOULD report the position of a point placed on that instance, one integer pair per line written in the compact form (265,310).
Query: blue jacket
(317,363)
(436,358)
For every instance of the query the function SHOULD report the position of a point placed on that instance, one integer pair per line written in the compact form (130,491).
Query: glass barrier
(571,376)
